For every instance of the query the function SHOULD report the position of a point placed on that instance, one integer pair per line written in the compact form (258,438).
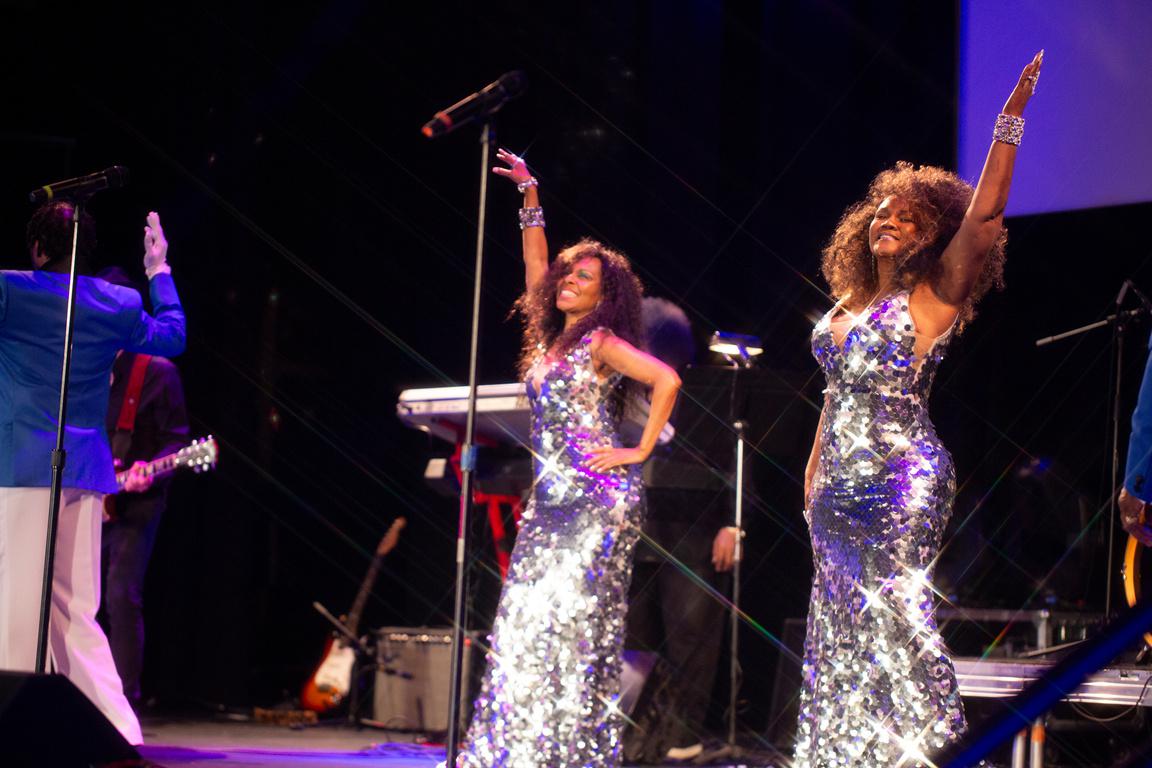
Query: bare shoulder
(610,351)
(604,341)
(601,336)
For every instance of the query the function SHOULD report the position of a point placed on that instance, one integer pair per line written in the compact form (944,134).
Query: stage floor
(180,743)
(214,744)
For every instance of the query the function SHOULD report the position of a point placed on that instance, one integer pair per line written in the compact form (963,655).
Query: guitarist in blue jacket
(1136,492)
(107,318)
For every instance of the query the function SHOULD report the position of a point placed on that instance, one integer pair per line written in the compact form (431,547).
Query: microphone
(1123,292)
(81,186)
(480,104)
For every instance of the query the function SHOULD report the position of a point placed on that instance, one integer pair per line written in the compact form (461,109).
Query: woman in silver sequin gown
(549,696)
(907,265)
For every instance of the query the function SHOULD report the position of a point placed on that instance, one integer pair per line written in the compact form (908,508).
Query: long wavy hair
(618,310)
(938,199)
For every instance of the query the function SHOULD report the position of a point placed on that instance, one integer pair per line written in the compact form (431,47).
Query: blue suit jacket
(107,318)
(1136,475)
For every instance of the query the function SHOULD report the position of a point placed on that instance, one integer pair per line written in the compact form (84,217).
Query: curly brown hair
(939,199)
(618,310)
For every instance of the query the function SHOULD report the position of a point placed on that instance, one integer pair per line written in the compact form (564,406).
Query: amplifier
(413,674)
(785,707)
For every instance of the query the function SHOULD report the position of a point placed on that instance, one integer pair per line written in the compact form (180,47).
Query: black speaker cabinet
(46,720)
(413,676)
(786,689)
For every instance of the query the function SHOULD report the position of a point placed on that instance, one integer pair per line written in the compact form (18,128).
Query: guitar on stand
(332,681)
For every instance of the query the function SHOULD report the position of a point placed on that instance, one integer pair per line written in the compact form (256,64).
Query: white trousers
(77,645)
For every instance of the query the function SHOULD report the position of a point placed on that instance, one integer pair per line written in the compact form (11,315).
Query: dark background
(323,249)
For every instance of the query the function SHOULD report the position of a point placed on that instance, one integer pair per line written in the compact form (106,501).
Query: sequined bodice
(877,355)
(876,401)
(573,410)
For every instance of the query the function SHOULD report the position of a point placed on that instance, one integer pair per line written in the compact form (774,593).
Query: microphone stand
(1127,314)
(1118,320)
(734,674)
(58,455)
(730,750)
(467,464)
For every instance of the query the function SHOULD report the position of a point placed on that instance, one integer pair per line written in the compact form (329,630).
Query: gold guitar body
(1132,556)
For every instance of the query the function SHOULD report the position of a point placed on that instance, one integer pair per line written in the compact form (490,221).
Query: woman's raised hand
(517,169)
(1025,87)
(531,216)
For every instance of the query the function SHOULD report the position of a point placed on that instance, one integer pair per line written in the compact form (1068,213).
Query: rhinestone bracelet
(531,217)
(1009,129)
(525,185)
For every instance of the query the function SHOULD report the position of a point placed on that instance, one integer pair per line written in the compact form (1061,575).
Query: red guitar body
(332,680)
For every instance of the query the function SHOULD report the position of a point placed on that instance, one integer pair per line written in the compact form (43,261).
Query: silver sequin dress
(549,695)
(878,687)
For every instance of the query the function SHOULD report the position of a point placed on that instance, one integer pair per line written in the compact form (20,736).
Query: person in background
(147,420)
(1136,491)
(688,541)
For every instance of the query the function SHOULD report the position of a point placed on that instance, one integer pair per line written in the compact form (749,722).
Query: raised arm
(534,242)
(963,259)
(163,332)
(617,354)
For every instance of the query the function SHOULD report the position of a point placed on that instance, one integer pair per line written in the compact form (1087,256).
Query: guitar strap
(126,422)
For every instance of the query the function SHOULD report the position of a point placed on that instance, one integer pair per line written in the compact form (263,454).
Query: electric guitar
(332,679)
(199,456)
(1132,553)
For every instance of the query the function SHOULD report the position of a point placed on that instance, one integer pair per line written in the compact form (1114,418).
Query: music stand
(739,350)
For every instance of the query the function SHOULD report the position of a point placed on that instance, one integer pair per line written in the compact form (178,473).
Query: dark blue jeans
(127,545)
(674,616)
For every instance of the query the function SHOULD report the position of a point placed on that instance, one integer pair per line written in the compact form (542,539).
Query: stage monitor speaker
(46,721)
(413,676)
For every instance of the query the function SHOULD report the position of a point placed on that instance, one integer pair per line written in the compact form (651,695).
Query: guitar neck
(153,469)
(163,465)
(199,456)
(362,596)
